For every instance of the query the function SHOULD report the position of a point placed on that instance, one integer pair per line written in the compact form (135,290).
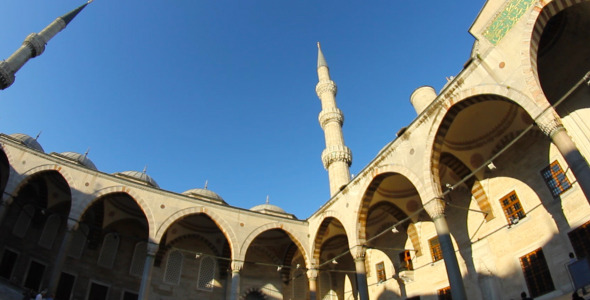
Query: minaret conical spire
(336,157)
(33,46)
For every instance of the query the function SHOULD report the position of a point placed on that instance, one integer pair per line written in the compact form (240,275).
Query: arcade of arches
(482,196)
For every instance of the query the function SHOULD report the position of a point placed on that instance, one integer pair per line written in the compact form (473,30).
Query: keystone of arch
(223,226)
(266,227)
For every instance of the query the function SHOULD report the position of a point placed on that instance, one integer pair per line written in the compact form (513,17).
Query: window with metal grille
(444,293)
(580,239)
(173,267)
(24,220)
(555,179)
(406,261)
(206,274)
(79,238)
(512,208)
(536,273)
(50,231)
(435,249)
(108,251)
(380,270)
(138,260)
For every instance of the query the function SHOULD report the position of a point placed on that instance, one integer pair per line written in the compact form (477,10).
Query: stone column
(361,272)
(312,275)
(4,206)
(61,256)
(551,125)
(436,210)
(146,277)
(236,268)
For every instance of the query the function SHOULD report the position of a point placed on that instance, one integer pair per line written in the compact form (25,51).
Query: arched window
(108,252)
(24,220)
(79,241)
(138,260)
(50,231)
(173,267)
(206,274)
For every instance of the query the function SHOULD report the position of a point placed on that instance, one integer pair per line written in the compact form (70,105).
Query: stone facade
(482,196)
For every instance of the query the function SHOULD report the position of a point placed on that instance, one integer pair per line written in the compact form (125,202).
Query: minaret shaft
(33,46)
(336,157)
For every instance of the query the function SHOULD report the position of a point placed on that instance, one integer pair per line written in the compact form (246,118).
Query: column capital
(359,252)
(73,225)
(312,274)
(236,266)
(435,208)
(152,248)
(549,123)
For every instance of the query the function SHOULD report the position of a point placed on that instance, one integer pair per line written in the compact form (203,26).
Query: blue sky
(224,91)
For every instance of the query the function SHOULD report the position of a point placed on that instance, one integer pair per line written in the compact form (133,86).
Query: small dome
(27,141)
(138,176)
(208,194)
(268,207)
(79,158)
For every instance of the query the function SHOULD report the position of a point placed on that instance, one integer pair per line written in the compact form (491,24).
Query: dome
(268,207)
(202,192)
(27,141)
(79,158)
(141,177)
(274,210)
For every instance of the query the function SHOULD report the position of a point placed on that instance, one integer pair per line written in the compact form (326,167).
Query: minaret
(336,157)
(33,46)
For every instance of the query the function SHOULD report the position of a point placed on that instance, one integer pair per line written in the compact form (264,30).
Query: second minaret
(336,157)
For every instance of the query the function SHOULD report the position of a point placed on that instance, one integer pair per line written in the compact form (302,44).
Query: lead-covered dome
(27,141)
(78,158)
(205,194)
(270,209)
(140,177)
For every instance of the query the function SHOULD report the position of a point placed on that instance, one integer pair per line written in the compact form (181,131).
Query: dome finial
(144,169)
(206,183)
(267,199)
(86,153)
(38,134)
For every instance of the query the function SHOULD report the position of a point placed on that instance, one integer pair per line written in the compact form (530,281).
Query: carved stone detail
(336,153)
(312,274)
(326,86)
(152,248)
(36,43)
(359,253)
(550,123)
(331,115)
(6,75)
(236,266)
(435,208)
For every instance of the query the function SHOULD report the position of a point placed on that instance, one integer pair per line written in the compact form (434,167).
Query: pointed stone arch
(540,15)
(378,174)
(453,106)
(320,231)
(276,225)
(223,226)
(11,189)
(81,206)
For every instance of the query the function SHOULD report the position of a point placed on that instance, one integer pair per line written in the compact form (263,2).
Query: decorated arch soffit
(264,228)
(14,186)
(536,20)
(378,174)
(223,226)
(320,230)
(84,204)
(450,107)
